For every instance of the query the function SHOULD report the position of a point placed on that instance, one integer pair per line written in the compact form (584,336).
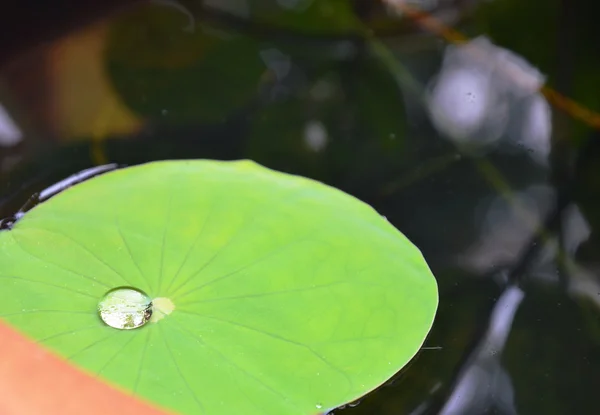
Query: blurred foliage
(307,16)
(165,69)
(585,52)
(522,27)
(85,102)
(555,36)
(349,126)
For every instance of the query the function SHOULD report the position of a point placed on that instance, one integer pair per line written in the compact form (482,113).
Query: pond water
(468,124)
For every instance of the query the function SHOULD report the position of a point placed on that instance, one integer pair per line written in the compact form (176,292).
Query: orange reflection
(34,381)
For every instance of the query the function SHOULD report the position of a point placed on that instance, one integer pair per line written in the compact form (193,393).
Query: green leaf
(308,16)
(176,76)
(380,104)
(272,294)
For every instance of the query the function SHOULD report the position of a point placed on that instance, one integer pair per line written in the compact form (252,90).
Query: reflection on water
(506,226)
(483,382)
(454,144)
(315,135)
(10,134)
(484,93)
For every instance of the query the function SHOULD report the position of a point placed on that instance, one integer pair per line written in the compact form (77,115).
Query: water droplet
(319,406)
(125,308)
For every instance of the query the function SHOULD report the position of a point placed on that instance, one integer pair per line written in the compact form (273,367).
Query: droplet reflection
(125,308)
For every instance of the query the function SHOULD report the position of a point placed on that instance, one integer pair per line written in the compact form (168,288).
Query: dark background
(304,90)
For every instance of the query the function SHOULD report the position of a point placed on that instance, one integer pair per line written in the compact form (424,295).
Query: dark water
(458,146)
